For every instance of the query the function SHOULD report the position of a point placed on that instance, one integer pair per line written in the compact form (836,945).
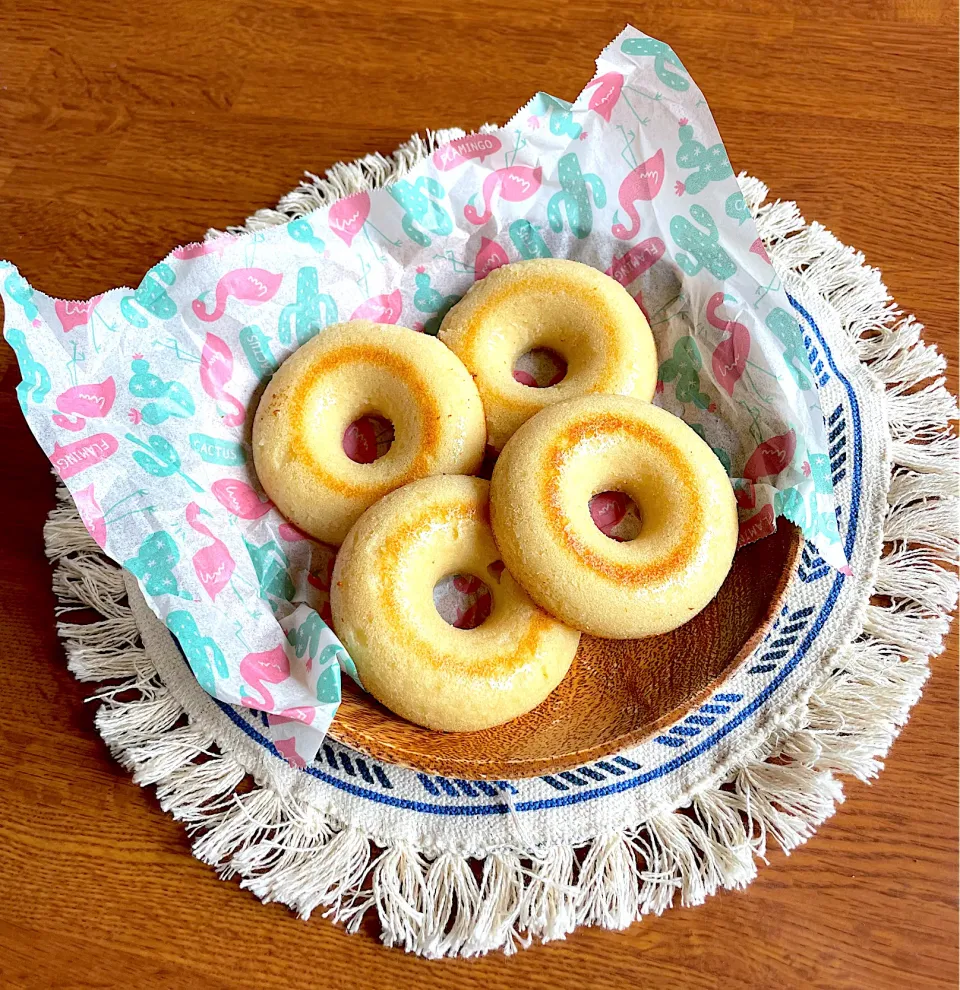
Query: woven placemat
(454,867)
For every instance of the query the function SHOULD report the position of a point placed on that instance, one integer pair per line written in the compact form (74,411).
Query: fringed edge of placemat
(782,791)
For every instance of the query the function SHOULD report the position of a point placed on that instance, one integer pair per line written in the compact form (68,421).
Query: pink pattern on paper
(381,309)
(91,515)
(258,669)
(516,183)
(462,149)
(217,246)
(213,564)
(606,94)
(347,216)
(240,499)
(73,314)
(640,185)
(216,370)
(84,402)
(252,286)
(490,257)
(771,457)
(639,259)
(72,458)
(730,355)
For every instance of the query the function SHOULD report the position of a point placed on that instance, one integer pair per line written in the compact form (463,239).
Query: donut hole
(616,515)
(540,367)
(463,600)
(368,438)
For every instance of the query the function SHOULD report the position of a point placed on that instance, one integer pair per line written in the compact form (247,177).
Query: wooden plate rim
(534,766)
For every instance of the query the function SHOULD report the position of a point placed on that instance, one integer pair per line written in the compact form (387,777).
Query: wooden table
(126,129)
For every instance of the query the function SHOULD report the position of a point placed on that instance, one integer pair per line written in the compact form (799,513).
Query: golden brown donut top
(432,516)
(684,548)
(380,357)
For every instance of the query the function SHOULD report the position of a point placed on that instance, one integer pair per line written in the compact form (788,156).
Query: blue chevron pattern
(356,765)
(616,766)
(704,717)
(440,786)
(817,366)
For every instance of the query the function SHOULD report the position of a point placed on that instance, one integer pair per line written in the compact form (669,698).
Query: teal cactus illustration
(151,296)
(705,247)
(159,458)
(422,214)
(154,563)
(560,120)
(206,659)
(300,230)
(256,349)
(786,329)
(663,56)
(820,471)
(328,684)
(429,300)
(711,163)
(36,380)
(312,311)
(826,525)
(20,291)
(527,240)
(270,565)
(684,368)
(170,398)
(790,504)
(574,197)
(736,208)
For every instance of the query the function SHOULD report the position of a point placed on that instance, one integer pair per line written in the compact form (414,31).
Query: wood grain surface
(128,128)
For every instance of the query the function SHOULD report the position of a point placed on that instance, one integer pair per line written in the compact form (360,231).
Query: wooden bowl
(615,695)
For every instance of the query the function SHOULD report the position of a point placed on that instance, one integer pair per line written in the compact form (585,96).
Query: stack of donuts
(419,514)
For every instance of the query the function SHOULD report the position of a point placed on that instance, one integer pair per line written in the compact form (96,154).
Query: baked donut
(539,497)
(586,317)
(347,371)
(407,656)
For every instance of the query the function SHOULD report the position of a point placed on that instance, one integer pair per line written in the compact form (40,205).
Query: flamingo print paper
(143,398)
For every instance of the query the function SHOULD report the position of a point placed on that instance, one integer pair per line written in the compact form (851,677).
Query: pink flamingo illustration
(291,534)
(759,250)
(287,748)
(304,715)
(216,369)
(271,666)
(91,515)
(73,314)
(605,96)
(213,564)
(252,286)
(380,309)
(771,457)
(730,355)
(84,402)
(489,257)
(516,183)
(640,185)
(240,499)
(95,519)
(347,216)
(217,246)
